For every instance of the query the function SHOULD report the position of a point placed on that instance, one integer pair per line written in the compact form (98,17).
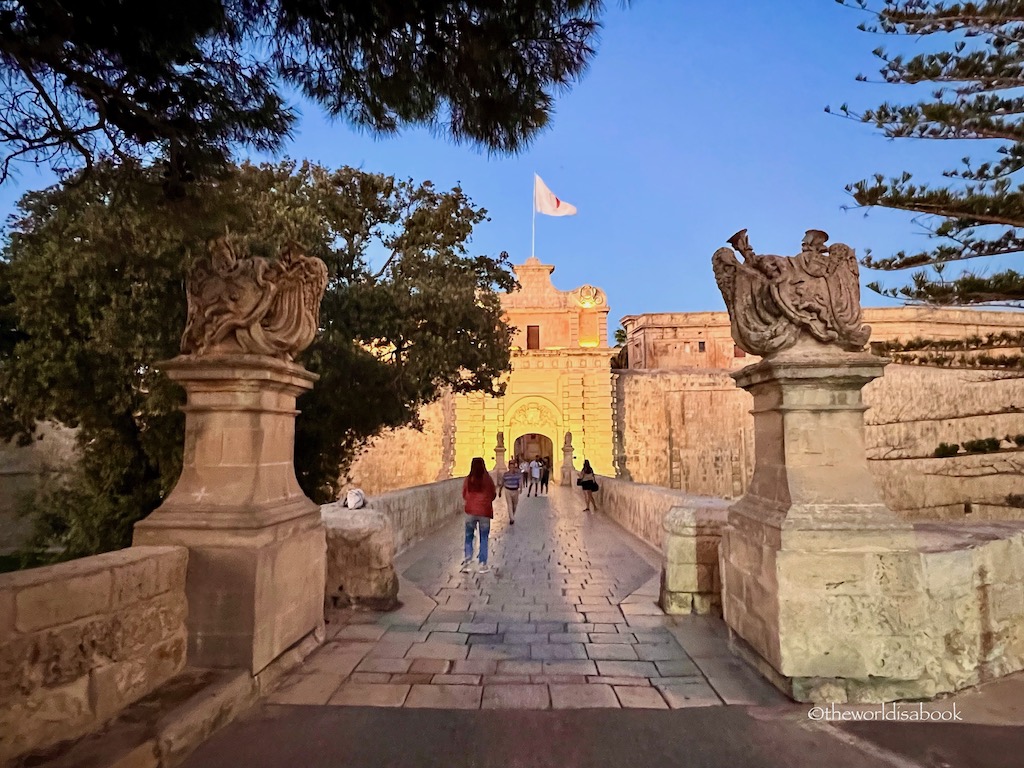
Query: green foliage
(974,57)
(1017,440)
(985,445)
(946,449)
(190,80)
(620,337)
(92,276)
(1015,500)
(966,352)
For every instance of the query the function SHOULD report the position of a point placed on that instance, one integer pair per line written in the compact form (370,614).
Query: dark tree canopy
(92,296)
(189,80)
(971,74)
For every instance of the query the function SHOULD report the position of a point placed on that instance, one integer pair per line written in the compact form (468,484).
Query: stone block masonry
(686,528)
(418,511)
(80,641)
(362,543)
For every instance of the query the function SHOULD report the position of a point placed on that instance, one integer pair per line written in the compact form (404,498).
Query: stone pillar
(499,456)
(798,581)
(568,470)
(256,543)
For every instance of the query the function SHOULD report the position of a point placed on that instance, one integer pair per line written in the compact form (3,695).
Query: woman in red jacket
(478,492)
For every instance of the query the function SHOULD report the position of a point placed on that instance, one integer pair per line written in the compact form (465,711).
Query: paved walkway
(566,619)
(416,687)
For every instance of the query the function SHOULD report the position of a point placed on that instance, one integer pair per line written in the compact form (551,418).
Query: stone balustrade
(80,641)
(362,543)
(686,529)
(415,512)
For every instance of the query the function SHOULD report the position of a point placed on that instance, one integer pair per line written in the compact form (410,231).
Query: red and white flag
(545,201)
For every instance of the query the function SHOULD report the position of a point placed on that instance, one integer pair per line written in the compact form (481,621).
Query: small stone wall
(687,530)
(79,641)
(362,543)
(415,512)
(867,626)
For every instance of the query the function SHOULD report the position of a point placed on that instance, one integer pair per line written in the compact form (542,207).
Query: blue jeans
(472,521)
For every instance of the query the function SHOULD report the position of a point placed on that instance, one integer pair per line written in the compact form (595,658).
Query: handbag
(579,481)
(596,487)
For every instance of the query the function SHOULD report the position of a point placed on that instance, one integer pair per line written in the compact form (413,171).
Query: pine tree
(191,80)
(974,66)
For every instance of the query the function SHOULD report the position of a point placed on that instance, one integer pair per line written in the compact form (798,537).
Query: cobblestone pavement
(567,619)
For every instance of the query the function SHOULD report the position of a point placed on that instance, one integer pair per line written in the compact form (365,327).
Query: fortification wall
(687,429)
(406,457)
(691,429)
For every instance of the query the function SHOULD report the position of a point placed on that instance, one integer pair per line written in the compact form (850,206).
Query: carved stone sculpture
(245,304)
(775,301)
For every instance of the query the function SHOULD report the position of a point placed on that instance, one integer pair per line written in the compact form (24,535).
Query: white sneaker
(485,568)
(467,566)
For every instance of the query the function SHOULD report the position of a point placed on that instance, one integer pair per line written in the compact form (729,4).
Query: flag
(544,200)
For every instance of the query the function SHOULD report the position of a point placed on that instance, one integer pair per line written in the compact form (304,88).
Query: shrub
(985,445)
(946,449)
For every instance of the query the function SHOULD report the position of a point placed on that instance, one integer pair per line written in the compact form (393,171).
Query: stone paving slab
(586,696)
(370,695)
(567,618)
(445,696)
(516,697)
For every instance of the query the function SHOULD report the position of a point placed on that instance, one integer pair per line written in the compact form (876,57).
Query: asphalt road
(712,737)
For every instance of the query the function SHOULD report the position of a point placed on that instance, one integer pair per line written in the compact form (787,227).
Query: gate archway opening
(534,445)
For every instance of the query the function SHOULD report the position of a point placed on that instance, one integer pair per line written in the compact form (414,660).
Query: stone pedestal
(815,568)
(360,558)
(256,562)
(499,456)
(690,577)
(568,474)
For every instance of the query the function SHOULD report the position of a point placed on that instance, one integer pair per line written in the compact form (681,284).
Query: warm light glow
(588,343)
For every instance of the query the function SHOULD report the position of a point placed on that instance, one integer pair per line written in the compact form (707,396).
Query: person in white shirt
(535,470)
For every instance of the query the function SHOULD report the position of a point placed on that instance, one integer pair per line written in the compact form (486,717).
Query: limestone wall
(415,512)
(79,641)
(687,530)
(23,469)
(940,615)
(687,429)
(691,429)
(638,508)
(913,409)
(402,458)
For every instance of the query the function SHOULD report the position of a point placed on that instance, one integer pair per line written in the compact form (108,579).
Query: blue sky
(695,120)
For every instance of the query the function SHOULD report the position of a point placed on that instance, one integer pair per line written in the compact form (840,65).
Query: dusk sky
(695,120)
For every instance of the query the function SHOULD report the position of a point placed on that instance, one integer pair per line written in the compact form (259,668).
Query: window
(533,337)
(700,346)
(737,352)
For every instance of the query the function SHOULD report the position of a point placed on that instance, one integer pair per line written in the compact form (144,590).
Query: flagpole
(533,205)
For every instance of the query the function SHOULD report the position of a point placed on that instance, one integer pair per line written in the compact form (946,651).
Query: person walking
(545,475)
(524,468)
(534,477)
(478,494)
(587,480)
(511,482)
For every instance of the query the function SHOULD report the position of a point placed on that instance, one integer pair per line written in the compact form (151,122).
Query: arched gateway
(560,380)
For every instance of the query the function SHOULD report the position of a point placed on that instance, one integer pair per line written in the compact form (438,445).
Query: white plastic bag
(355,499)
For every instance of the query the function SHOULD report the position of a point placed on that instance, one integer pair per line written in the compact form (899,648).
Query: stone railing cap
(706,513)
